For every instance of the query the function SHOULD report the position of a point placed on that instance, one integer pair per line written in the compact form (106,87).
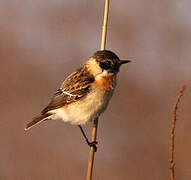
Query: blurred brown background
(41,42)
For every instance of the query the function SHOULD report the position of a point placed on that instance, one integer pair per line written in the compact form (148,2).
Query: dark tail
(36,120)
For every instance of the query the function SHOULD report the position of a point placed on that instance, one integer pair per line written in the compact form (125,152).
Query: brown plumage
(85,94)
(37,120)
(76,86)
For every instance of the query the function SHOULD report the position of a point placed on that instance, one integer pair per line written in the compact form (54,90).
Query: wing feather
(75,87)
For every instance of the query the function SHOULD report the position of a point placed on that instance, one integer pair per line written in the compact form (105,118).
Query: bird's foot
(93,144)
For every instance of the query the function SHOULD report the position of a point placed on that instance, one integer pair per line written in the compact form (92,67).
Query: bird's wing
(75,87)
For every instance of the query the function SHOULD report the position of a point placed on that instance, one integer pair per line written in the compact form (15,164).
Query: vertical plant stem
(95,125)
(104,28)
(173,125)
(92,151)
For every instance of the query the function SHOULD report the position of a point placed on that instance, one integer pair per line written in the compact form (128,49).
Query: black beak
(124,62)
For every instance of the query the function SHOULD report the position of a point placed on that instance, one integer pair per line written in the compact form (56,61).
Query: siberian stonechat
(85,94)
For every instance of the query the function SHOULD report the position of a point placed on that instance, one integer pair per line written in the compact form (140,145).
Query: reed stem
(95,125)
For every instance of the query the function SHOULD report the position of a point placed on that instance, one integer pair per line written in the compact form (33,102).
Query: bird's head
(109,61)
(105,61)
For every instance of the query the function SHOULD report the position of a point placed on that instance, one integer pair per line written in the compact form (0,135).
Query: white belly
(87,109)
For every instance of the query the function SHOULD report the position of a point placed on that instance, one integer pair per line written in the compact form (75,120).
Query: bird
(84,95)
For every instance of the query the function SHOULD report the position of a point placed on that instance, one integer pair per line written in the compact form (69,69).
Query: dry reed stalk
(173,125)
(95,125)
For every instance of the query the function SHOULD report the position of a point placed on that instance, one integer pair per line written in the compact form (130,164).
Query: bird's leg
(93,143)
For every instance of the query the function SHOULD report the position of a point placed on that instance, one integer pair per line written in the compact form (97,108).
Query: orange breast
(105,82)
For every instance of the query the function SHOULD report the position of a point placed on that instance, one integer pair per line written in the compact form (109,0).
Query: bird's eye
(106,64)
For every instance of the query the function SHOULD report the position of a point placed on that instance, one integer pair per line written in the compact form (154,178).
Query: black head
(109,61)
